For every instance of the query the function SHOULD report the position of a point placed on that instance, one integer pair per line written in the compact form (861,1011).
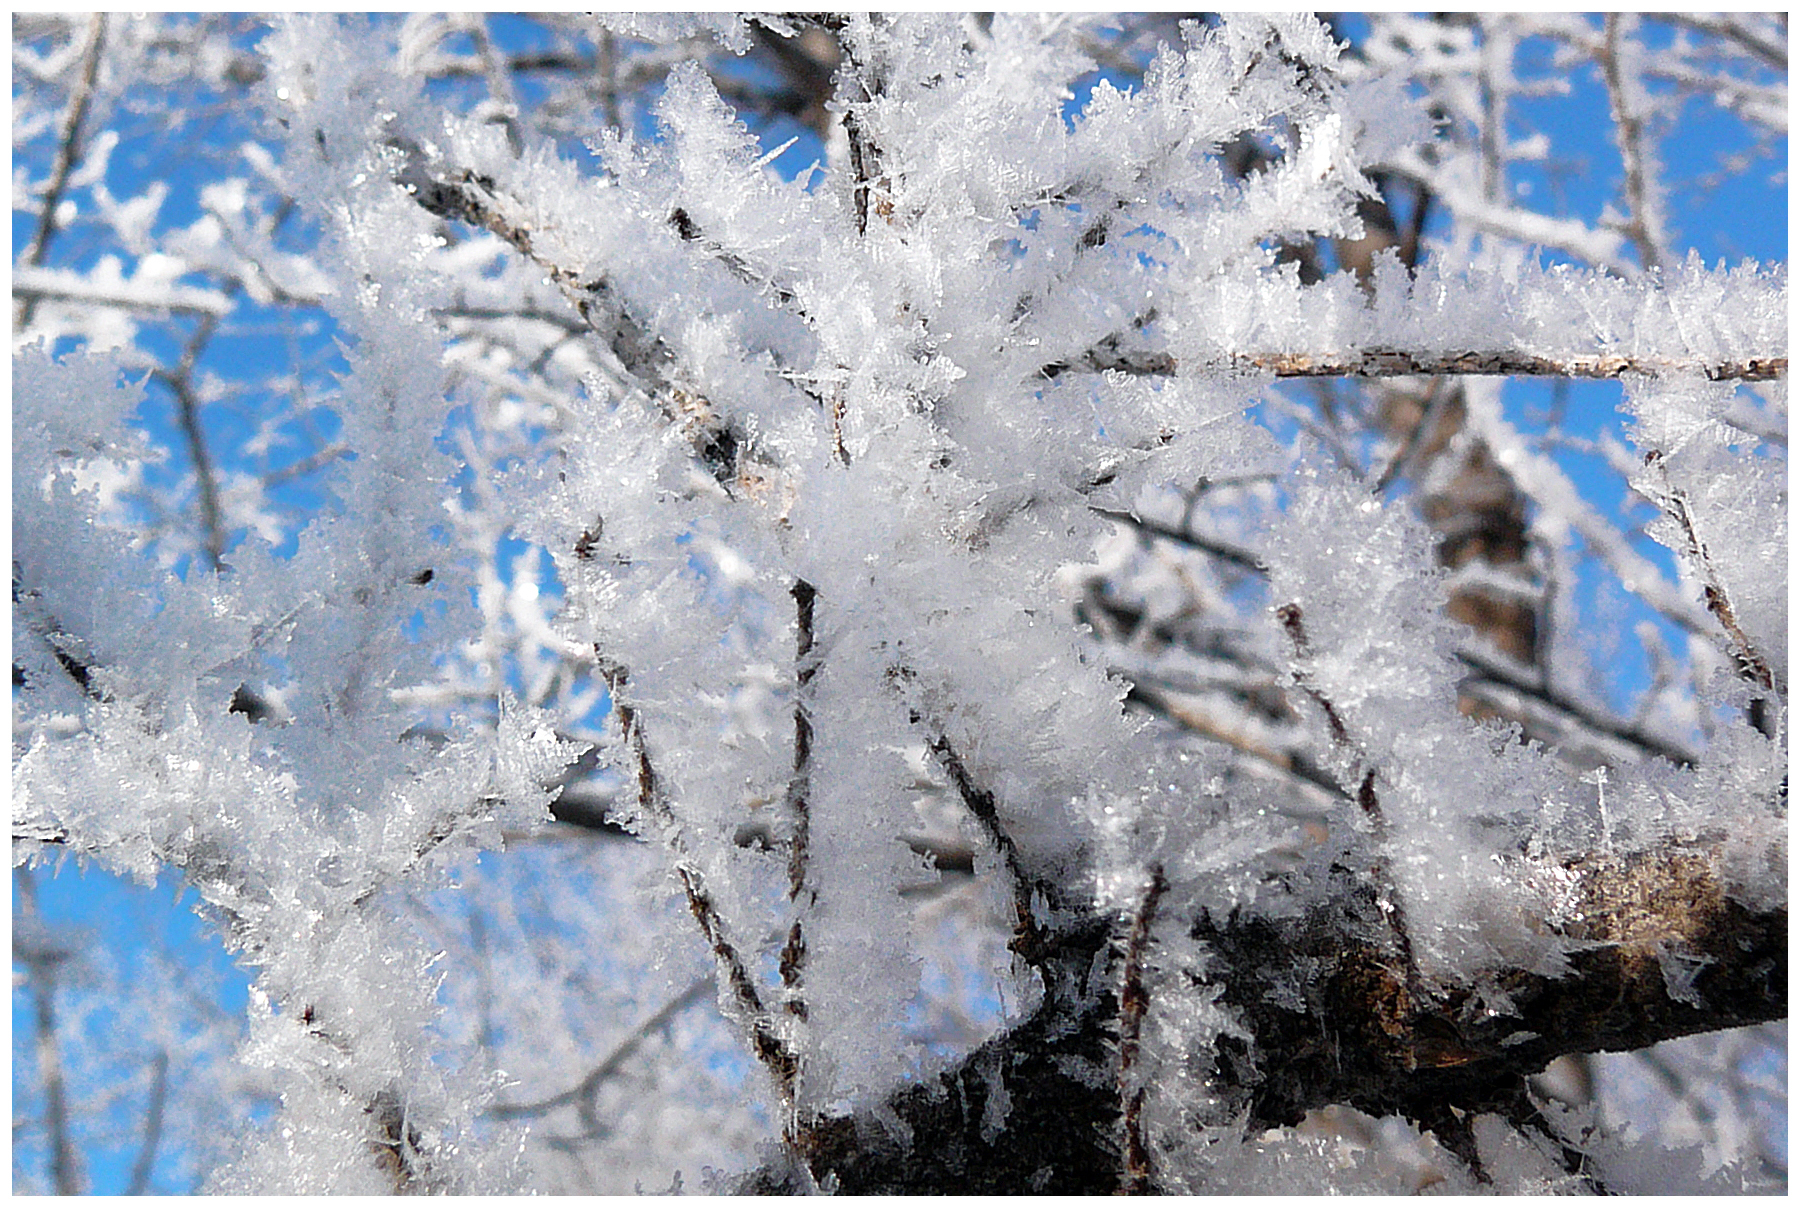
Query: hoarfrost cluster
(785,602)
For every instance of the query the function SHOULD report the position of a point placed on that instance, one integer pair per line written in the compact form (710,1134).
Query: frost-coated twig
(1728,27)
(1644,226)
(1029,939)
(1486,667)
(503,101)
(1368,800)
(68,155)
(1134,1001)
(1491,671)
(799,804)
(33,285)
(642,356)
(1751,663)
(770,1047)
(180,381)
(69,148)
(1426,362)
(475,199)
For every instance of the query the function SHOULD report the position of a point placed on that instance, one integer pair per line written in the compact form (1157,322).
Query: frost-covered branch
(34,285)
(1134,999)
(180,381)
(1664,951)
(769,1045)
(1401,362)
(801,896)
(68,152)
(828,456)
(1618,57)
(1674,501)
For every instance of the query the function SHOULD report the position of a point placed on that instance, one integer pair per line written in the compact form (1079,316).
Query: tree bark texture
(1362,1037)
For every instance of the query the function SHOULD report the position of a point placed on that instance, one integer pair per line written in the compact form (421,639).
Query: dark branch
(799,803)
(1134,1001)
(1359,1036)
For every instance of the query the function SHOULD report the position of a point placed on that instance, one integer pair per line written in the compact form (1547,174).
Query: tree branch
(799,800)
(1423,362)
(1360,1036)
(770,1047)
(68,152)
(153,1125)
(42,963)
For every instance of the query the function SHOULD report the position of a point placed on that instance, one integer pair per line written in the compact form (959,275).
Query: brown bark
(1361,1036)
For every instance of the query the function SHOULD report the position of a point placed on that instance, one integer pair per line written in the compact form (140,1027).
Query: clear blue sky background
(1739,216)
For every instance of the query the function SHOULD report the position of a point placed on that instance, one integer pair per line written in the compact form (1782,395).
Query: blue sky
(1737,216)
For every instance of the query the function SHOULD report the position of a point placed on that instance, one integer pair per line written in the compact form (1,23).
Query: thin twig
(1029,939)
(1644,225)
(583,1092)
(68,151)
(1751,664)
(1437,398)
(1722,26)
(68,154)
(153,1125)
(1421,362)
(1134,1001)
(1368,800)
(1222,550)
(41,969)
(799,792)
(770,1047)
(641,355)
(1487,668)
(180,381)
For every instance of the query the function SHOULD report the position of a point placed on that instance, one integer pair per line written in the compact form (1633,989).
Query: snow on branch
(1724,324)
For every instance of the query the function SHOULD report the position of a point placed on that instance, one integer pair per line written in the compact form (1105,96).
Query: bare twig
(1222,550)
(582,1093)
(1437,400)
(153,1124)
(41,964)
